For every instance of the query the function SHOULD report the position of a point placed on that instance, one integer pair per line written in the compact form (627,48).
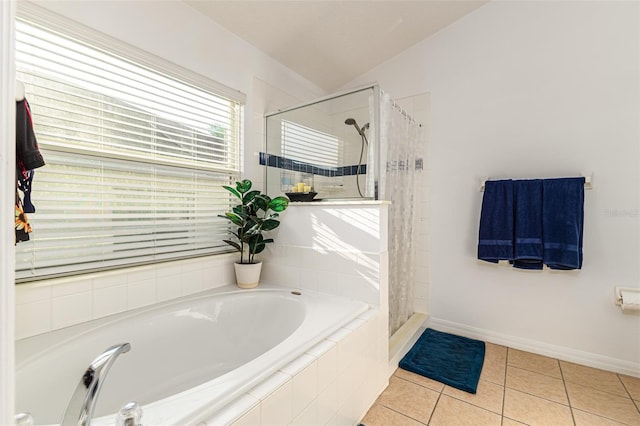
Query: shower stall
(356,145)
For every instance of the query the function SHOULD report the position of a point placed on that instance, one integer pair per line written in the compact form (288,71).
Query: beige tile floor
(515,388)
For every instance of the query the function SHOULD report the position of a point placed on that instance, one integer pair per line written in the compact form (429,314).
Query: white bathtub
(188,358)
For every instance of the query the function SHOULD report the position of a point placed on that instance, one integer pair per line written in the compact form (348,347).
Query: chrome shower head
(352,122)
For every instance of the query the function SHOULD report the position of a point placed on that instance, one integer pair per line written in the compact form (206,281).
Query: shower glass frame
(330,174)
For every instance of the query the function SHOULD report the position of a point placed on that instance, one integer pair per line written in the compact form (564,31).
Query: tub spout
(79,411)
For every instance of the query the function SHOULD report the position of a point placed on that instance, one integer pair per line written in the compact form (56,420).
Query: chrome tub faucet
(79,411)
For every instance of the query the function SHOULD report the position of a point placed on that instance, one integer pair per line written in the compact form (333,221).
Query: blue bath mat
(450,359)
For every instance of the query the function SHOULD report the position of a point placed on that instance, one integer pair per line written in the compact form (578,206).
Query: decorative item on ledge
(256,214)
(301,196)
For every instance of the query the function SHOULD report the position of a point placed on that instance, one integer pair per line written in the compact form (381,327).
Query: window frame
(64,26)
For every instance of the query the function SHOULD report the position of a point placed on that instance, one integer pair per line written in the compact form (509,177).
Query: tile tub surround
(319,248)
(49,305)
(515,388)
(335,382)
(336,247)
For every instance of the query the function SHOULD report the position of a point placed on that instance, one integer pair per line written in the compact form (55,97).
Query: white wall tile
(109,300)
(251,418)
(328,403)
(33,318)
(141,274)
(309,280)
(284,255)
(321,348)
(169,269)
(333,227)
(72,309)
(327,367)
(368,266)
(309,416)
(264,389)
(421,305)
(355,324)
(346,413)
(329,260)
(298,365)
(277,408)
(74,286)
(328,281)
(169,287)
(217,274)
(339,335)
(289,276)
(305,388)
(109,280)
(192,280)
(245,407)
(28,293)
(141,293)
(358,288)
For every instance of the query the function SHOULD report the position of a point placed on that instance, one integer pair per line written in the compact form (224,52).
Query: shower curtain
(400,171)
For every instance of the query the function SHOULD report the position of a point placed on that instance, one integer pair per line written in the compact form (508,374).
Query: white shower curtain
(401,166)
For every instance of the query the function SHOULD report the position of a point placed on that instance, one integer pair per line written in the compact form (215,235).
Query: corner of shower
(329,146)
(357,145)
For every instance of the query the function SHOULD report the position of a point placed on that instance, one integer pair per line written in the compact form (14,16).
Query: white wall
(533,89)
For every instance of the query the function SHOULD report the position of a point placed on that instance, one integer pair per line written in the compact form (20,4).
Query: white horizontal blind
(309,145)
(135,159)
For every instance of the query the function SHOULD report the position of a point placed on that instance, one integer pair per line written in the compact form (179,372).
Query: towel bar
(588,181)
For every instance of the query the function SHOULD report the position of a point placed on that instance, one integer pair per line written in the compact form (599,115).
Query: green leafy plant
(255,214)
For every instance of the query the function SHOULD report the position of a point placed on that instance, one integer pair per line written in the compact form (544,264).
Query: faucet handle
(130,414)
(23,419)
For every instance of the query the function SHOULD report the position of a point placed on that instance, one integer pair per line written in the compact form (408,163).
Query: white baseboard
(553,351)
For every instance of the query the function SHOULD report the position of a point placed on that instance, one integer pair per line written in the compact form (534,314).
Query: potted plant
(255,214)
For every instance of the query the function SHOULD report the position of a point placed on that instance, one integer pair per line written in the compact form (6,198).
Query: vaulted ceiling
(331,42)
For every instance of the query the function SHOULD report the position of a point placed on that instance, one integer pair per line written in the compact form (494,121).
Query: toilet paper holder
(618,293)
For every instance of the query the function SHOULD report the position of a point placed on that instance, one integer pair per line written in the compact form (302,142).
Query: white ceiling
(330,42)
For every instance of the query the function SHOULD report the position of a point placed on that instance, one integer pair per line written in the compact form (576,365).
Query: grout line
(404,414)
(435,406)
(504,387)
(572,409)
(566,392)
(624,386)
(595,415)
(637,404)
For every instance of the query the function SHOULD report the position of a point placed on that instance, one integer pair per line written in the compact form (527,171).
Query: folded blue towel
(528,224)
(495,241)
(562,222)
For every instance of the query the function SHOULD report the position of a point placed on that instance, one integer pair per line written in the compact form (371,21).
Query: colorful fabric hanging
(28,157)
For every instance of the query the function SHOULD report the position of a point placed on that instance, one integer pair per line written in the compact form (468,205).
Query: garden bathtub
(188,357)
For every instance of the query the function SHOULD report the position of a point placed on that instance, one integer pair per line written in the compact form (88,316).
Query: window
(136,156)
(309,145)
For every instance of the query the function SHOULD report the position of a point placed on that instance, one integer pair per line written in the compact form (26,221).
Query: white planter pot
(248,274)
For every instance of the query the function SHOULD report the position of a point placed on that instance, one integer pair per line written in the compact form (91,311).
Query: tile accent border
(284,163)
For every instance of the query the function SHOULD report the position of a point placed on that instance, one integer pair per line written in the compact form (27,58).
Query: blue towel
(528,224)
(495,240)
(562,222)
